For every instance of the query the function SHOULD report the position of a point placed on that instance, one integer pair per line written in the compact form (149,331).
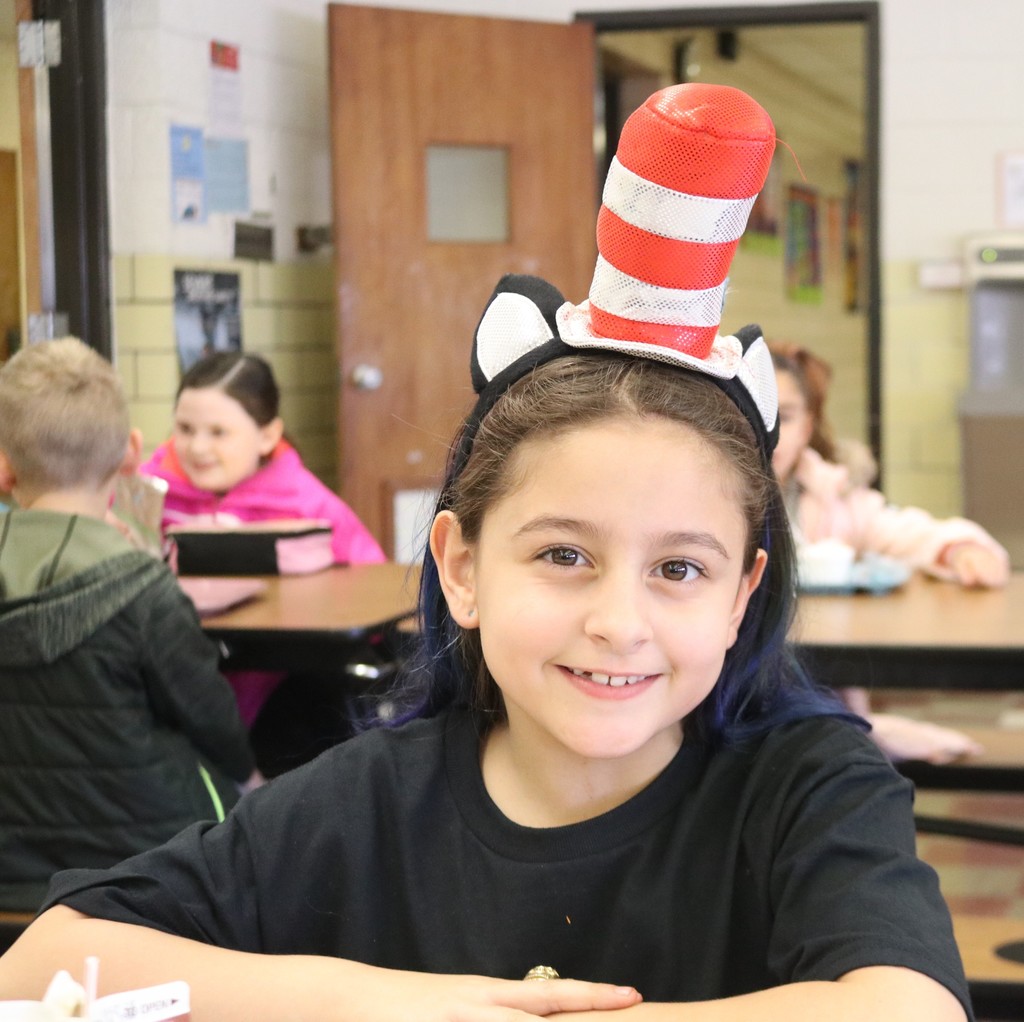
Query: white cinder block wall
(953,101)
(159,75)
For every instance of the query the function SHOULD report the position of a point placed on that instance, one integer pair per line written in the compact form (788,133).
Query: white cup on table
(825,564)
(27,1011)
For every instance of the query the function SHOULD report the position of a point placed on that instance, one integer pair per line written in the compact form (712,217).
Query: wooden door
(401,83)
(10,270)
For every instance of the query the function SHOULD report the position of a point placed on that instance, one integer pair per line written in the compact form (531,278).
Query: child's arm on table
(233,985)
(955,549)
(976,565)
(877,994)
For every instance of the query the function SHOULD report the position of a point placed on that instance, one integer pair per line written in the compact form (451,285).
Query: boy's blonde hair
(63,417)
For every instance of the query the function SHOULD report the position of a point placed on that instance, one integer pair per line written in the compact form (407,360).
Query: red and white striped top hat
(689,165)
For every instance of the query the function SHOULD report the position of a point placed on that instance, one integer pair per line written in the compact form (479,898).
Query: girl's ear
(455,568)
(270,436)
(748,583)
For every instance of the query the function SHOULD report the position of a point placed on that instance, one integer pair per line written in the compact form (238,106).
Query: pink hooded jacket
(829,507)
(283,488)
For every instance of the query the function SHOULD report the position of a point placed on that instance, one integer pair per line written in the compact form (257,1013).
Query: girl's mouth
(612,680)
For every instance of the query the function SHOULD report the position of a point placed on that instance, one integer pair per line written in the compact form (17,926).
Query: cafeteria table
(925,634)
(992,949)
(308,622)
(932,634)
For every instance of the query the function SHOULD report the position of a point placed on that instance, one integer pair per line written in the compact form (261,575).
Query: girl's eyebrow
(703,539)
(543,523)
(557,523)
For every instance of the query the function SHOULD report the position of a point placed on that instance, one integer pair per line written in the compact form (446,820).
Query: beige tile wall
(287,317)
(925,368)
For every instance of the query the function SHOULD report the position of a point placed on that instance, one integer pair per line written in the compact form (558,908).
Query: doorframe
(81,202)
(868,14)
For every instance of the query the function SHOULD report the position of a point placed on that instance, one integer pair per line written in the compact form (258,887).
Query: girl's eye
(680,571)
(563,556)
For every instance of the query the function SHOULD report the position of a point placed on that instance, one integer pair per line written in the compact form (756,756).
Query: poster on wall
(762,233)
(225,91)
(227,175)
(803,246)
(188,175)
(207,314)
(853,238)
(834,236)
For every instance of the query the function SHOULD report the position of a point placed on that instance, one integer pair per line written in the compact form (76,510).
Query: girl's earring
(471,612)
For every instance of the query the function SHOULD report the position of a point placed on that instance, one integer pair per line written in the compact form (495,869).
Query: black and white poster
(207,314)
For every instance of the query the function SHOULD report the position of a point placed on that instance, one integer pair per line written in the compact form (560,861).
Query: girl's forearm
(224,985)
(232,986)
(881,994)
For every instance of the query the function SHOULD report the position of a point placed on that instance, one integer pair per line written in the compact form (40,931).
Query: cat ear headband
(689,165)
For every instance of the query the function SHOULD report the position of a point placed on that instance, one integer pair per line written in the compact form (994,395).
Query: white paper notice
(225,92)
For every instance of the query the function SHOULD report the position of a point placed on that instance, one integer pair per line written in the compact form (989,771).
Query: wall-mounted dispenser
(992,409)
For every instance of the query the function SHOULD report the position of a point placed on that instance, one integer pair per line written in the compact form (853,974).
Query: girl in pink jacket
(228,462)
(827,500)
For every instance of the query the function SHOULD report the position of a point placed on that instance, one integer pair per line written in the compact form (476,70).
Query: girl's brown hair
(813,376)
(246,378)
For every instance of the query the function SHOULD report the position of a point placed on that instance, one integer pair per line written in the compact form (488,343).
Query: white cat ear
(518,321)
(512,325)
(758,375)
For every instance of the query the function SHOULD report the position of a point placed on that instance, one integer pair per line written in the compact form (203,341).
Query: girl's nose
(618,613)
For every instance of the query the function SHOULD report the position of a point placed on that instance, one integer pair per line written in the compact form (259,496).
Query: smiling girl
(227,460)
(620,778)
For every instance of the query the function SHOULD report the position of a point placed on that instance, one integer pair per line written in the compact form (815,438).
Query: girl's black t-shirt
(788,858)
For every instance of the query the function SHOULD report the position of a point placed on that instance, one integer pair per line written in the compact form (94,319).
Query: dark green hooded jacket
(116,727)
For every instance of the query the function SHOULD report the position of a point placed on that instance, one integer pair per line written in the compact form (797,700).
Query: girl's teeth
(615,680)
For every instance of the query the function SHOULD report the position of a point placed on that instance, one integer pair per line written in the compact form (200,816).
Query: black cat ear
(519,318)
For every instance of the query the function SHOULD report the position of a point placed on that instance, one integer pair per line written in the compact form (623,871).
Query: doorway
(807,269)
(12,285)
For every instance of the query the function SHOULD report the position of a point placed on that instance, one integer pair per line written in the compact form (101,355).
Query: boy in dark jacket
(116,727)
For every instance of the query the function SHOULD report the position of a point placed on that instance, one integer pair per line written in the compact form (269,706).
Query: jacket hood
(61,578)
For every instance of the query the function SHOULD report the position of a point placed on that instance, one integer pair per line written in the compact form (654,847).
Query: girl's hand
(976,565)
(902,738)
(400,996)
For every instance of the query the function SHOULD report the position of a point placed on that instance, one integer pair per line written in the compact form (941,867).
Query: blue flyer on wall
(188,175)
(207,314)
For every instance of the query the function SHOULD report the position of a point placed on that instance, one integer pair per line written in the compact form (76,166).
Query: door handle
(366,377)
